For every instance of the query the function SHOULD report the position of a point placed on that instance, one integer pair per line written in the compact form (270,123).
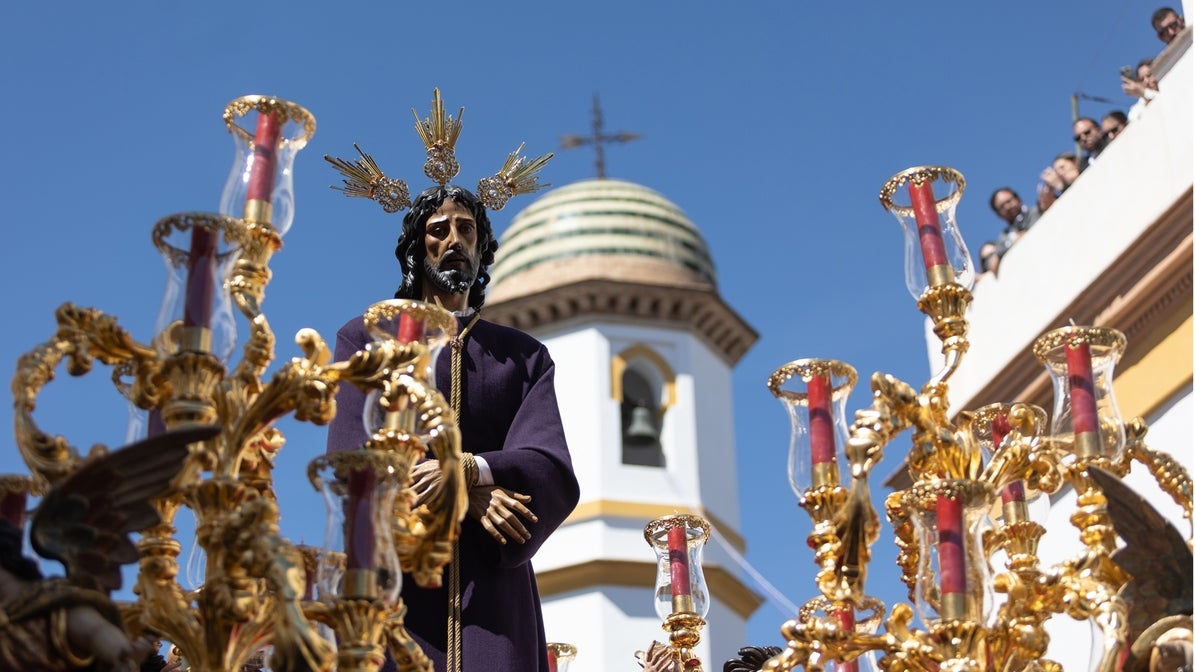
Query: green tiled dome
(601,228)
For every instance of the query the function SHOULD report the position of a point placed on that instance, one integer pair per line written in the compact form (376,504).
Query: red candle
(1013,492)
(1082,388)
(1000,429)
(358,519)
(821,420)
(201,278)
(952,563)
(265,147)
(156,424)
(409,329)
(308,583)
(929,229)
(551,660)
(678,560)
(846,621)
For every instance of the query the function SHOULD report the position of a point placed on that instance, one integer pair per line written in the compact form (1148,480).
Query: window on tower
(640,421)
(644,386)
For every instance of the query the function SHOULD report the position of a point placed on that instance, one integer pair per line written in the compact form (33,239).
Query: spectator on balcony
(1090,137)
(1167,24)
(989,261)
(1113,124)
(1017,217)
(1144,87)
(1056,178)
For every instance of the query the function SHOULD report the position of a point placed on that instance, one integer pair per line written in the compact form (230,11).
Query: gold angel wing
(84,522)
(1155,554)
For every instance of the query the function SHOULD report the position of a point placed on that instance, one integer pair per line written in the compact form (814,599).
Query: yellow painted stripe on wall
(1167,368)
(599,508)
(723,585)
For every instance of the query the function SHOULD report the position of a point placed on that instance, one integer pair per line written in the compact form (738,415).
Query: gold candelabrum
(320,609)
(682,598)
(974,478)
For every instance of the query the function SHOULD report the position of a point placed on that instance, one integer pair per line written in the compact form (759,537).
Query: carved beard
(455,280)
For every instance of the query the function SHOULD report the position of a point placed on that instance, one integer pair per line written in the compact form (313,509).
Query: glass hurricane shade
(1081,361)
(679,541)
(991,424)
(924,200)
(424,326)
(359,559)
(814,392)
(267,134)
(953,577)
(560,656)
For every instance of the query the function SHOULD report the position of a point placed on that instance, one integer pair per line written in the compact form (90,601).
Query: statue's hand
(426,481)
(498,511)
(659,658)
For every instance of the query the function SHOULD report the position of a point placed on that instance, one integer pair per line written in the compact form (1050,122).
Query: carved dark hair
(751,659)
(411,249)
(11,558)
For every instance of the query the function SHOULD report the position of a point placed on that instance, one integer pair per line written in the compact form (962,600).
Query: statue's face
(450,239)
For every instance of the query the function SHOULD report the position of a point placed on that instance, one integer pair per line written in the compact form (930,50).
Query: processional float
(975,477)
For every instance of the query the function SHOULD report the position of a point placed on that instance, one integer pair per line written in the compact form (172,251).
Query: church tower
(620,286)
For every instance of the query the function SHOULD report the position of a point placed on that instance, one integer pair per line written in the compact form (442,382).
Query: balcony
(1114,250)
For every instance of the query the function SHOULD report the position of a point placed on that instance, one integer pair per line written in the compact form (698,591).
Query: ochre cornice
(641,511)
(696,307)
(641,574)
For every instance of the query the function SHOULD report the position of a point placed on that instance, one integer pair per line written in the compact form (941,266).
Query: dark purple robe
(509,418)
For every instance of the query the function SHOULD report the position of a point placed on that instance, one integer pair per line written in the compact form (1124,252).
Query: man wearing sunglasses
(1168,24)
(1090,137)
(1113,124)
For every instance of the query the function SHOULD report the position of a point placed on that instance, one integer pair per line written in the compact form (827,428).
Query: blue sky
(772,124)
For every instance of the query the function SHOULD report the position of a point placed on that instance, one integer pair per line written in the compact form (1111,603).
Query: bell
(641,427)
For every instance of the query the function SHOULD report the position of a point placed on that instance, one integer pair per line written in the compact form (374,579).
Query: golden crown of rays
(439,132)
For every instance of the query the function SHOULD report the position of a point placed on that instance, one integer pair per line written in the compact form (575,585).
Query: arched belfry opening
(645,388)
(641,420)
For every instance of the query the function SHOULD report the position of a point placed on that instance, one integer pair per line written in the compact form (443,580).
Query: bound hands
(496,508)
